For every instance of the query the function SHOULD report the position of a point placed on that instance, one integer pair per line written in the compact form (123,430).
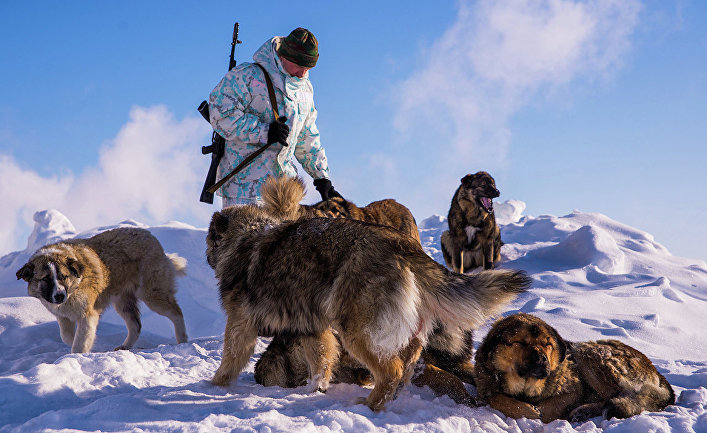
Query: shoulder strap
(271,91)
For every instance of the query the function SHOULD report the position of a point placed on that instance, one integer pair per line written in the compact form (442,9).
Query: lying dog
(473,238)
(77,279)
(371,284)
(525,369)
(449,348)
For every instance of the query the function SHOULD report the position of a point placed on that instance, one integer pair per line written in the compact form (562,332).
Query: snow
(593,278)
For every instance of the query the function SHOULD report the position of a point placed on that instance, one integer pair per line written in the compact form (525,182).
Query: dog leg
(85,333)
(239,340)
(67,329)
(461,262)
(488,256)
(443,383)
(166,305)
(409,355)
(127,308)
(387,373)
(321,353)
(513,408)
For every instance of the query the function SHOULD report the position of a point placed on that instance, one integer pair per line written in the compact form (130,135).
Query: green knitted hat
(300,47)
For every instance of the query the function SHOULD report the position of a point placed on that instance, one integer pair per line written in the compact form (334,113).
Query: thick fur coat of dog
(282,196)
(77,279)
(525,369)
(371,284)
(281,364)
(473,238)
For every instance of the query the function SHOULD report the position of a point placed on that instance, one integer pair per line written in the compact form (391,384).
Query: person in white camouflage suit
(240,111)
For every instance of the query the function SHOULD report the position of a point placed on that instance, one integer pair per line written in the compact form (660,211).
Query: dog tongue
(488,204)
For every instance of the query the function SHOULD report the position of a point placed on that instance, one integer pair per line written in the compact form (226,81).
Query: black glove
(278,132)
(326,189)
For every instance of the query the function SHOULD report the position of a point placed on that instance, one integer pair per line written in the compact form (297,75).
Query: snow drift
(593,278)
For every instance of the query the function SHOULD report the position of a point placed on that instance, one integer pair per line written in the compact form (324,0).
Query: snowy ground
(593,278)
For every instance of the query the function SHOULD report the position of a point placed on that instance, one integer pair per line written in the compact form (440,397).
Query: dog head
(523,351)
(52,274)
(481,187)
(231,225)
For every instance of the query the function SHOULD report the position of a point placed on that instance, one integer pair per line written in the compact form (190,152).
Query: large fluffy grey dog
(371,284)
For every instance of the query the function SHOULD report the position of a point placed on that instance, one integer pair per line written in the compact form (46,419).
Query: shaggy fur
(525,369)
(447,348)
(371,284)
(473,238)
(77,279)
(282,196)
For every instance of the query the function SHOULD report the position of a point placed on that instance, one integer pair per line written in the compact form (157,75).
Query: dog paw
(586,412)
(221,380)
(121,347)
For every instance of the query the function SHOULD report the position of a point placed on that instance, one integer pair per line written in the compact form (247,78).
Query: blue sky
(596,105)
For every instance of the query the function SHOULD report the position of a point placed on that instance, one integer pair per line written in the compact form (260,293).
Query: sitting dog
(473,238)
(525,369)
(77,279)
(449,348)
(373,285)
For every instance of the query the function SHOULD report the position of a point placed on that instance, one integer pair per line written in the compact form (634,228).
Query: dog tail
(281,196)
(179,263)
(470,300)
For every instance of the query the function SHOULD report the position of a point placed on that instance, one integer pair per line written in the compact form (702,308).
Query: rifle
(218,143)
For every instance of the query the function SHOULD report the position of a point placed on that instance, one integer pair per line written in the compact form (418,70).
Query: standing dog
(78,278)
(525,369)
(371,284)
(449,348)
(473,238)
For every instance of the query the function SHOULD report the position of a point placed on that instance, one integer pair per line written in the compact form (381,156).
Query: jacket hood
(267,56)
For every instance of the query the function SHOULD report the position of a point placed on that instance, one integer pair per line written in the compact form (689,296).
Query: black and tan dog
(373,285)
(473,238)
(450,349)
(525,369)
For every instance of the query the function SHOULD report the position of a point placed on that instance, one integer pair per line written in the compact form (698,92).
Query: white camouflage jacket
(240,111)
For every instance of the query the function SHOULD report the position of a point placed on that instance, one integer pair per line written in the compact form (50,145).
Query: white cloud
(498,55)
(152,171)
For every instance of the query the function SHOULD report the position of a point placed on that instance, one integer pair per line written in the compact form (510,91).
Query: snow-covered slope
(593,278)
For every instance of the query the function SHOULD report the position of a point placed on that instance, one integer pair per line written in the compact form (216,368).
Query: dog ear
(26,272)
(466,178)
(75,267)
(219,222)
(561,344)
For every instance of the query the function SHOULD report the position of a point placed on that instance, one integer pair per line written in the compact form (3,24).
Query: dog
(473,238)
(372,285)
(77,279)
(525,369)
(449,348)
(282,196)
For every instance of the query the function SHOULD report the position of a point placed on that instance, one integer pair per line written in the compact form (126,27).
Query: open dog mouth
(486,203)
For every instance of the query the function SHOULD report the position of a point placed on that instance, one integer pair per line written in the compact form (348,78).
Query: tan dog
(282,196)
(525,369)
(473,239)
(370,283)
(77,279)
(447,348)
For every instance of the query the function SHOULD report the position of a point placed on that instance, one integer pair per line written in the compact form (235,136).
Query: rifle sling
(248,159)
